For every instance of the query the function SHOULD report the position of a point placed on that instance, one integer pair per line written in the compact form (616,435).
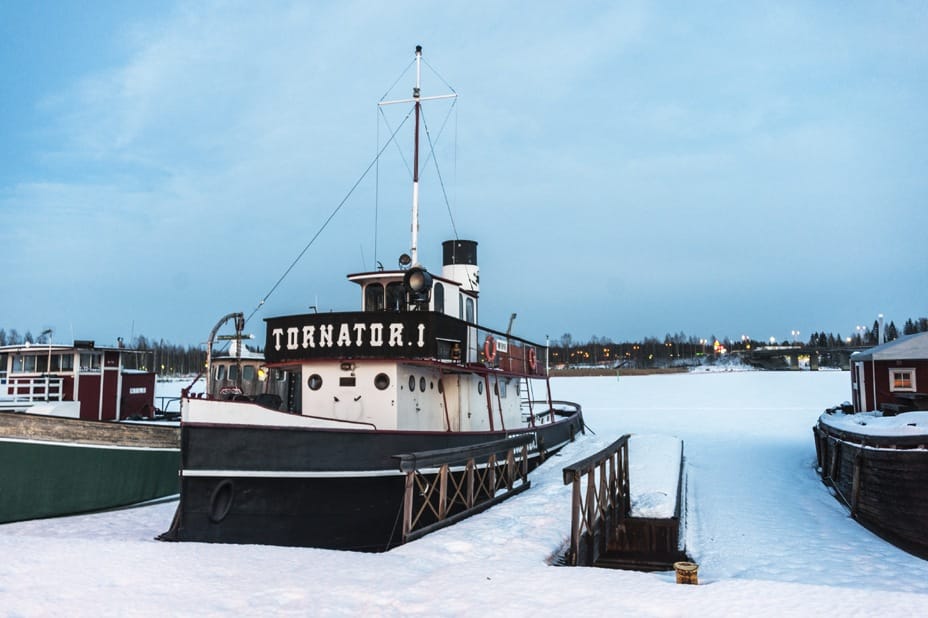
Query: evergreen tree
(909,328)
(891,332)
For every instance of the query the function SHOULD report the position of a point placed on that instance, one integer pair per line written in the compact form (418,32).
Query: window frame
(894,381)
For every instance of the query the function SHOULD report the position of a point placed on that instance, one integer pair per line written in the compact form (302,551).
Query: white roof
(908,347)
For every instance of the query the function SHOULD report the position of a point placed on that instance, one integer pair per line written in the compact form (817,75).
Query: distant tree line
(673,350)
(682,350)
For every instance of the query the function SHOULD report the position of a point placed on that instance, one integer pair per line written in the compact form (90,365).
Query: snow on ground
(768,537)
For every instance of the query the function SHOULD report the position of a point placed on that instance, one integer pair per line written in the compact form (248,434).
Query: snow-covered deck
(876,425)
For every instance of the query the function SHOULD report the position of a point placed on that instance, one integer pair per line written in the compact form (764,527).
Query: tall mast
(416,100)
(414,248)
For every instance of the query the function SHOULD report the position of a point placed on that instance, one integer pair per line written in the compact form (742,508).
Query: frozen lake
(768,537)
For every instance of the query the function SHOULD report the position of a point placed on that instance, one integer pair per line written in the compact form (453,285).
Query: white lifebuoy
(489,348)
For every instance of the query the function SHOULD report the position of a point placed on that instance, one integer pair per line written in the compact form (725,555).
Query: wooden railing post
(575,520)
(407,503)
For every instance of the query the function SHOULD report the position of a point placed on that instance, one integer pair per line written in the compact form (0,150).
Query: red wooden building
(892,377)
(76,381)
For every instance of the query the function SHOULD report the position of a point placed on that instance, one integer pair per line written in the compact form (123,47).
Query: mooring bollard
(686,572)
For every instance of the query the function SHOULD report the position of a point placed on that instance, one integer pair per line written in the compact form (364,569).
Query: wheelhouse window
(220,372)
(438,297)
(233,372)
(902,380)
(373,297)
(248,372)
(396,296)
(469,315)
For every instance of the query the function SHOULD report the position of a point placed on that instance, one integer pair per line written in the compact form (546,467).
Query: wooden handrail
(435,496)
(596,511)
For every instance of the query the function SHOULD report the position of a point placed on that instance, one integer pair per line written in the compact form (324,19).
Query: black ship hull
(333,489)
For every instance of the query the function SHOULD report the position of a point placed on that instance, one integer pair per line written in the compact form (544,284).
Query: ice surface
(768,537)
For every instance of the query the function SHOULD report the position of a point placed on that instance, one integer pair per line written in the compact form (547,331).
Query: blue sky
(629,169)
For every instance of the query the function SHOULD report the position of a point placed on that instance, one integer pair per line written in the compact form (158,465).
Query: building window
(90,362)
(902,380)
(62,362)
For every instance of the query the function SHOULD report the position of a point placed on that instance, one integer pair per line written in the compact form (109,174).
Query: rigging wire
(441,181)
(397,80)
(438,75)
(399,148)
(327,220)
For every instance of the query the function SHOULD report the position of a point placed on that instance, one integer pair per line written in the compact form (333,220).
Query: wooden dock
(609,526)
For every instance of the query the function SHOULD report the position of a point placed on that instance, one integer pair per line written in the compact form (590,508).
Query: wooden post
(575,520)
(469,471)
(443,492)
(524,462)
(589,507)
(407,504)
(510,468)
(855,486)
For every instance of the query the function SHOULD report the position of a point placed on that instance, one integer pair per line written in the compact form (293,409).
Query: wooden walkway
(605,532)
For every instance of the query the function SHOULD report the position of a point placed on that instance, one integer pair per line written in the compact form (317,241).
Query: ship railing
(597,508)
(448,485)
(27,390)
(539,411)
(499,350)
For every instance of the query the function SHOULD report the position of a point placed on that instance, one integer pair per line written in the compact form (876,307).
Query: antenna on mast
(414,248)
(417,99)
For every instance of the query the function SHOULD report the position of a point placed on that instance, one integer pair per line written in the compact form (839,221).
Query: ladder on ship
(526,399)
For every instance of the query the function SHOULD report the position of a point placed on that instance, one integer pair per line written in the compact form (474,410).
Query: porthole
(382,381)
(412,384)
(314,382)
(422,384)
(480,387)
